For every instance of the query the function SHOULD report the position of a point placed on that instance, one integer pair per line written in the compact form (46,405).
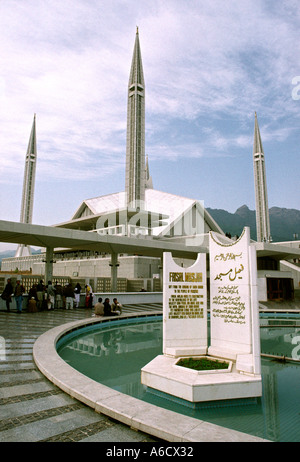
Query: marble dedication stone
(184,307)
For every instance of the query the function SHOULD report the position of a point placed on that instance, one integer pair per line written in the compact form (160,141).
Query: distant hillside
(11,253)
(7,254)
(284,223)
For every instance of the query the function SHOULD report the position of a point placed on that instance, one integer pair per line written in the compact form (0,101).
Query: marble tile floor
(32,409)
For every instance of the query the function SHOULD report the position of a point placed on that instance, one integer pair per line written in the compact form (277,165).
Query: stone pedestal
(164,375)
(234,324)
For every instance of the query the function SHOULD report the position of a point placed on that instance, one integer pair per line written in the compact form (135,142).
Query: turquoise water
(113,353)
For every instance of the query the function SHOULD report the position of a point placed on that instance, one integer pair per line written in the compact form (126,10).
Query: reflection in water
(281,341)
(114,356)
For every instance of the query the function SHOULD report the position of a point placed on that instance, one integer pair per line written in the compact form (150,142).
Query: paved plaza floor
(32,409)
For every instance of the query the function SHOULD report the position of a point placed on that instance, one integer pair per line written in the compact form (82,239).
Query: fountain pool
(113,353)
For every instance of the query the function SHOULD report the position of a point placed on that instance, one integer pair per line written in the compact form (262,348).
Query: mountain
(284,223)
(11,253)
(7,254)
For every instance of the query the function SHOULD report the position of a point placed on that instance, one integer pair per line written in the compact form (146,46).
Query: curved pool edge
(139,415)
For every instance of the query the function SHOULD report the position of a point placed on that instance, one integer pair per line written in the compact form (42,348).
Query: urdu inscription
(228,304)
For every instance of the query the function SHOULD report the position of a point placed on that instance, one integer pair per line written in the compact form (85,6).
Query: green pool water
(113,354)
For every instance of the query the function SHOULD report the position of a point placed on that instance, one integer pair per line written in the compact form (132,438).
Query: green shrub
(202,364)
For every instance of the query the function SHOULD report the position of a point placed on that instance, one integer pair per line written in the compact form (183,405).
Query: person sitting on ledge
(99,308)
(108,309)
(116,307)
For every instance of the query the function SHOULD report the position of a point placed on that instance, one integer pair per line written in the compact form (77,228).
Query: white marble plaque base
(192,351)
(164,375)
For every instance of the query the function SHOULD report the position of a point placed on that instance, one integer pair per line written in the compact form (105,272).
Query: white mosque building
(144,212)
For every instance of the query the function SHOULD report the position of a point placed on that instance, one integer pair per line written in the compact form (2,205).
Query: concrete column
(49,265)
(161,278)
(114,271)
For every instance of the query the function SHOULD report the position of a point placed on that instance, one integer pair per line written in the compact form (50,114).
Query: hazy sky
(208,66)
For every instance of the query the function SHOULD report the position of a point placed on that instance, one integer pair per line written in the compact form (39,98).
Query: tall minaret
(135,143)
(261,196)
(28,187)
(148,178)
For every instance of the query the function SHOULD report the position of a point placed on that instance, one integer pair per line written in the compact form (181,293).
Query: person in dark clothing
(33,293)
(107,307)
(70,296)
(19,291)
(7,293)
(77,292)
(58,295)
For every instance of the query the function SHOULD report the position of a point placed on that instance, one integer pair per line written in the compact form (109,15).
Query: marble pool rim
(139,415)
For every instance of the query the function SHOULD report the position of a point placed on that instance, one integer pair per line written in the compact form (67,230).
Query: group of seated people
(107,309)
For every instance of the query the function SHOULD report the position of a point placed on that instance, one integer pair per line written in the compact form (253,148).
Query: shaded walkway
(31,407)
